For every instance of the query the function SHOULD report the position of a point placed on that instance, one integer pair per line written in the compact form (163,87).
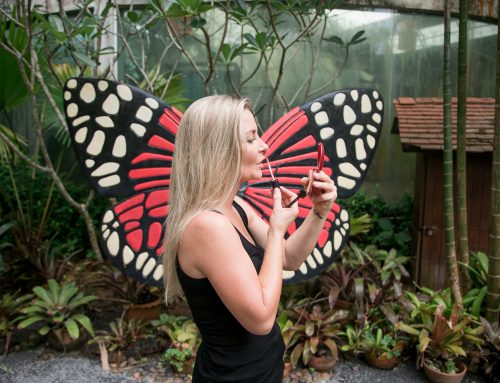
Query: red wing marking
(308,142)
(288,132)
(128,203)
(159,212)
(154,235)
(149,172)
(150,156)
(161,143)
(157,198)
(131,225)
(169,121)
(151,184)
(134,239)
(132,214)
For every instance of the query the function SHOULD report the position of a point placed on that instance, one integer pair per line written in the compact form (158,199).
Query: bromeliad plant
(445,338)
(59,309)
(10,308)
(313,333)
(184,336)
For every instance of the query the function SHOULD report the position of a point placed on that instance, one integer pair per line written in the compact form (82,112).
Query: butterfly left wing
(124,140)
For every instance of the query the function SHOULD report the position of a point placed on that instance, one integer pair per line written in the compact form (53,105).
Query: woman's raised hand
(322,202)
(283,216)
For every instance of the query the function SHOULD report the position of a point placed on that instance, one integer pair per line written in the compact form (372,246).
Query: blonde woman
(226,260)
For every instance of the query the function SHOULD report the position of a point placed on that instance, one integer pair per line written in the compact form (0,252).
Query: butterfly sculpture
(125,139)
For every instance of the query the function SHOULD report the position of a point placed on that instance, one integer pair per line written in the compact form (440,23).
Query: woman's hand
(322,202)
(283,216)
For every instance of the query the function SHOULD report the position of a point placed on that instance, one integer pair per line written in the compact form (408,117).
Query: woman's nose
(263,146)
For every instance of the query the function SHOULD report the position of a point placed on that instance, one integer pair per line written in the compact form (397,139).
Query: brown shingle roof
(419,122)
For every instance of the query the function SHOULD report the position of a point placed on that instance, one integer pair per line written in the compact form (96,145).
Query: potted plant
(59,310)
(312,336)
(382,350)
(184,338)
(441,343)
(10,308)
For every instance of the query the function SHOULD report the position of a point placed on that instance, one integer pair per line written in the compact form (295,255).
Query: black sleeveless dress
(228,352)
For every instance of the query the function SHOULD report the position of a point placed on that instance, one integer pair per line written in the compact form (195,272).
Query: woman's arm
(301,243)
(211,245)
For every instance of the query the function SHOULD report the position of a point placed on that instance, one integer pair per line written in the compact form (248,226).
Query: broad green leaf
(44,330)
(72,328)
(29,321)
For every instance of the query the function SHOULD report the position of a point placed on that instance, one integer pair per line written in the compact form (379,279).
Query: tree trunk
(463,246)
(493,295)
(449,229)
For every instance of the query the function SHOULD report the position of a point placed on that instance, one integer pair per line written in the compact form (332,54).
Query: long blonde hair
(206,166)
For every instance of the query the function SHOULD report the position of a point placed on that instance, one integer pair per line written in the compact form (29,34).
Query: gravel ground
(43,366)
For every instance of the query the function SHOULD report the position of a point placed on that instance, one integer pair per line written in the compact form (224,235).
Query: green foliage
(178,357)
(123,334)
(10,308)
(391,223)
(180,329)
(313,332)
(374,340)
(60,306)
(444,336)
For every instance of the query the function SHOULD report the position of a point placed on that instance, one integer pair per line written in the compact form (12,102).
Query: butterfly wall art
(125,139)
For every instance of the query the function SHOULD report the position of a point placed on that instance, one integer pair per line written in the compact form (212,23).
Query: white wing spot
(288,274)
(346,225)
(105,121)
(71,84)
(72,110)
(375,95)
(138,129)
(370,141)
(158,273)
(327,250)
(144,114)
(303,268)
(360,149)
(81,135)
(152,103)
(342,231)
(120,147)
(87,93)
(337,240)
(380,105)
(124,92)
(113,243)
(339,99)
(89,163)
(116,224)
(356,130)
(349,115)
(108,217)
(111,105)
(310,262)
(321,118)
(346,183)
(80,120)
(377,118)
(97,143)
(67,95)
(105,233)
(105,169)
(128,255)
(337,222)
(344,216)
(109,181)
(326,133)
(366,105)
(150,265)
(315,106)
(102,85)
(141,258)
(354,95)
(362,166)
(318,256)
(341,149)
(371,128)
(349,169)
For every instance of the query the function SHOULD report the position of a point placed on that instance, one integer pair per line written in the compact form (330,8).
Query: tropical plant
(380,343)
(313,332)
(58,309)
(122,336)
(184,337)
(490,352)
(10,308)
(354,339)
(4,244)
(445,337)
